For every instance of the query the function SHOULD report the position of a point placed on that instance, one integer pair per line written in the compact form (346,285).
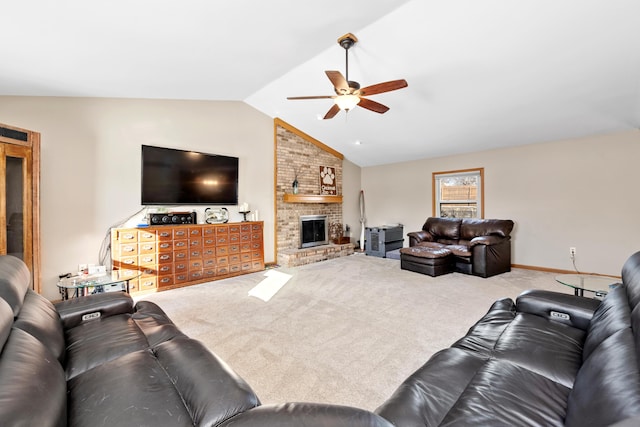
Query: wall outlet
(572,252)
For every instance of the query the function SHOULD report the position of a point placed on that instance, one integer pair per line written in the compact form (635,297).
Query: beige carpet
(346,331)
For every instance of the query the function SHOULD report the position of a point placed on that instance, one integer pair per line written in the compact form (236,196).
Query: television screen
(178,177)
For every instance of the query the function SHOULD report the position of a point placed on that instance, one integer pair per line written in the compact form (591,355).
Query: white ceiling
(482,74)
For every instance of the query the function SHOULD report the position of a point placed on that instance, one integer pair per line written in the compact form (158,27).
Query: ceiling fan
(348,93)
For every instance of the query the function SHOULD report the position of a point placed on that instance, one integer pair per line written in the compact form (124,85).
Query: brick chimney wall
(297,153)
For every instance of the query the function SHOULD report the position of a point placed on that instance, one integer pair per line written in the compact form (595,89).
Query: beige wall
(581,193)
(351,186)
(91,163)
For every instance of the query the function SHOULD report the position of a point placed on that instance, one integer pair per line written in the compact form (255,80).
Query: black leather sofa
(547,359)
(100,360)
(481,247)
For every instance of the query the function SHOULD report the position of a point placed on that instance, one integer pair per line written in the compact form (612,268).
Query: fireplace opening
(313,230)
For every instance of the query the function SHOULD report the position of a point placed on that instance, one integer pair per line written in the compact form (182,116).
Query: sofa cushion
(101,340)
(631,279)
(444,228)
(460,250)
(607,387)
(471,228)
(482,336)
(546,347)
(425,398)
(39,318)
(612,315)
(15,279)
(33,390)
(304,414)
(504,394)
(177,383)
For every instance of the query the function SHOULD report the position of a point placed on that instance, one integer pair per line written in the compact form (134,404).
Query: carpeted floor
(346,331)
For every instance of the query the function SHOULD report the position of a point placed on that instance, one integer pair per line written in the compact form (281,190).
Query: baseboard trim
(557,270)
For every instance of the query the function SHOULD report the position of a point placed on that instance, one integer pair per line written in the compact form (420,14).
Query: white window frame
(436,176)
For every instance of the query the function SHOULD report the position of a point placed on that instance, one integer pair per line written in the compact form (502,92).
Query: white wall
(91,163)
(581,192)
(351,186)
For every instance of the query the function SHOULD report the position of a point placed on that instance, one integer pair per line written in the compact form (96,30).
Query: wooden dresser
(167,257)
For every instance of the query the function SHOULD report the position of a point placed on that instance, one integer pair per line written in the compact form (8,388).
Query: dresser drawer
(165,234)
(180,233)
(127,236)
(147,283)
(164,269)
(165,246)
(181,278)
(165,257)
(146,236)
(180,244)
(164,281)
(147,259)
(179,267)
(128,249)
(147,248)
(181,255)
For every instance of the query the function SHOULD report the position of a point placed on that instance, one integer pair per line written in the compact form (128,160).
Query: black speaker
(173,218)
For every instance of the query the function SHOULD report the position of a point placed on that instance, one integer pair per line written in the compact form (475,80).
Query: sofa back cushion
(33,389)
(39,318)
(471,228)
(15,279)
(607,387)
(631,279)
(447,229)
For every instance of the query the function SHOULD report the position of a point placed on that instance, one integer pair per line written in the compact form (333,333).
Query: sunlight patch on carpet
(269,286)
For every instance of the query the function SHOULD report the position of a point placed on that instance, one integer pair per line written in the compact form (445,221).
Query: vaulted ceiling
(482,74)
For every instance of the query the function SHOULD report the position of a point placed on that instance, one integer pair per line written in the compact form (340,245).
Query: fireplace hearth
(314,231)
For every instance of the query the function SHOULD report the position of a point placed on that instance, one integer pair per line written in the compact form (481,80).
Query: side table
(85,284)
(599,285)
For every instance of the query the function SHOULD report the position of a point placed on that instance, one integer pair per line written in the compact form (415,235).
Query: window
(458,194)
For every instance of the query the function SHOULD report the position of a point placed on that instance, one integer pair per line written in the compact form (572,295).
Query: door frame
(30,139)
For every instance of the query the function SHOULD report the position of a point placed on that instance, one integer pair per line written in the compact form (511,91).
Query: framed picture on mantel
(328,184)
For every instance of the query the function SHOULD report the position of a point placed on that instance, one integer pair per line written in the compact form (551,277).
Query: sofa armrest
(564,308)
(487,240)
(73,311)
(306,414)
(416,237)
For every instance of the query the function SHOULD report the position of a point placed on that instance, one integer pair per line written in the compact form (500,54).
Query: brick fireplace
(299,156)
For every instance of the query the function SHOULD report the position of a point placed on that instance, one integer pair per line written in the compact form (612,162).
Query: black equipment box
(380,240)
(172,218)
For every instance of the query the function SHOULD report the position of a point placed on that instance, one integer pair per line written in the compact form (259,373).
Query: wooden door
(19,197)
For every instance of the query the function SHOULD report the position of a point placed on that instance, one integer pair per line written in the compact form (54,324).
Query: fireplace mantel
(311,198)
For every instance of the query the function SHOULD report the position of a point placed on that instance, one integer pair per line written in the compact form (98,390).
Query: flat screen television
(180,177)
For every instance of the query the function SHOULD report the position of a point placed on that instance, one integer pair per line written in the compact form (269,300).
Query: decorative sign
(328,184)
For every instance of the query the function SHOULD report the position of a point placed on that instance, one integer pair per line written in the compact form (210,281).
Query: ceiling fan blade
(338,80)
(311,97)
(383,87)
(332,112)
(372,105)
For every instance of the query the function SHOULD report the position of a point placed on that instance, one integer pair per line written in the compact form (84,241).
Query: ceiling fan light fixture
(346,102)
